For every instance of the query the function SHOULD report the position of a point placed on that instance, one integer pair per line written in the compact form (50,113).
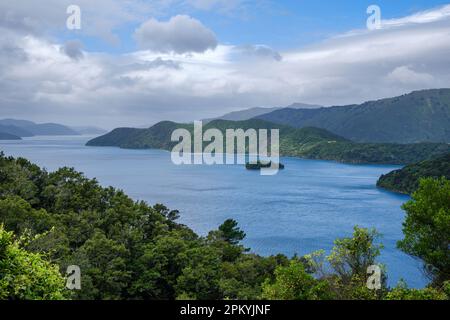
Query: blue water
(300,210)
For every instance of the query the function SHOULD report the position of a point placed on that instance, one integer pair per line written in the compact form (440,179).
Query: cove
(302,209)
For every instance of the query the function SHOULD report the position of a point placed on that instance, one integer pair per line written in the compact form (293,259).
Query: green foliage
(402,292)
(379,153)
(348,262)
(25,275)
(125,249)
(242,279)
(292,282)
(17,215)
(427,228)
(130,250)
(200,276)
(351,257)
(406,180)
(230,232)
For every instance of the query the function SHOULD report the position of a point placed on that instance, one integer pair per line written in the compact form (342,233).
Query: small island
(260,165)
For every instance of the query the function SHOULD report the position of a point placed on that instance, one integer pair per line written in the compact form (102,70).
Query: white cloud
(433,15)
(405,75)
(181,34)
(99,18)
(38,80)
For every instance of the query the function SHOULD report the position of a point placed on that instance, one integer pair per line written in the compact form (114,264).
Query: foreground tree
(427,228)
(402,292)
(294,283)
(349,261)
(26,276)
(231,232)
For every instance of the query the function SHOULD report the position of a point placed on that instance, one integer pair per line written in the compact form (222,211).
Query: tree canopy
(427,228)
(127,249)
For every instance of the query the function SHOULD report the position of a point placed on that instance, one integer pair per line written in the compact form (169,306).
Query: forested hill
(24,128)
(406,180)
(8,136)
(421,116)
(311,143)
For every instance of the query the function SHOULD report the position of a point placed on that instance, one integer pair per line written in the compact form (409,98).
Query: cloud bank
(182,72)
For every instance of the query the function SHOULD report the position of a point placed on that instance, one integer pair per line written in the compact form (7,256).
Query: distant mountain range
(12,129)
(7,136)
(258,111)
(311,143)
(406,180)
(89,130)
(421,116)
(15,131)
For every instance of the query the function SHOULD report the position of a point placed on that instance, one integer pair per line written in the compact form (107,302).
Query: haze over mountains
(399,130)
(7,136)
(421,116)
(12,129)
(258,111)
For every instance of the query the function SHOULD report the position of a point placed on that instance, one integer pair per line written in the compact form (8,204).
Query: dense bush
(127,249)
(25,275)
(427,228)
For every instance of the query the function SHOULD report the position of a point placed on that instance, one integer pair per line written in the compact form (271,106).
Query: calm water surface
(300,210)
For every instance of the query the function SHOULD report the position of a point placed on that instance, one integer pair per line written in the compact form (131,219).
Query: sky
(137,62)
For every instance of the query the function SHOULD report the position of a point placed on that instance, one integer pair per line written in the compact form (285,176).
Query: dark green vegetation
(125,249)
(27,276)
(130,250)
(259,165)
(421,116)
(156,137)
(406,180)
(311,143)
(7,136)
(23,128)
(427,228)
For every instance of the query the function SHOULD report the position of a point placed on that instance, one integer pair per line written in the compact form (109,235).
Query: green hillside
(24,128)
(421,116)
(311,143)
(406,180)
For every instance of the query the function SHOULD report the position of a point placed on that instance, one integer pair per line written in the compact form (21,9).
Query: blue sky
(138,62)
(283,25)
